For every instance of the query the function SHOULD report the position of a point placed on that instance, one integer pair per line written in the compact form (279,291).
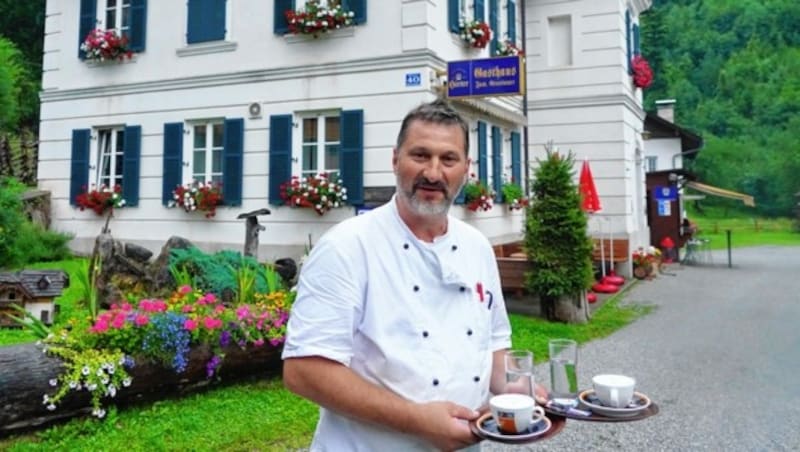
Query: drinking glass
(563,375)
(519,372)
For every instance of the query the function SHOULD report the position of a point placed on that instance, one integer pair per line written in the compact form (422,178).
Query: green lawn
(744,230)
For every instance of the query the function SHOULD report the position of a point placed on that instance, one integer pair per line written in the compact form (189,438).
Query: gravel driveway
(720,354)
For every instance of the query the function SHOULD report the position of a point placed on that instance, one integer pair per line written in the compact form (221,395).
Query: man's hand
(445,425)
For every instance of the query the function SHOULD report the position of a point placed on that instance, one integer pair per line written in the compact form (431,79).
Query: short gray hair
(439,111)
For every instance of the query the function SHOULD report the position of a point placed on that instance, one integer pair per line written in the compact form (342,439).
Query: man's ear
(394,160)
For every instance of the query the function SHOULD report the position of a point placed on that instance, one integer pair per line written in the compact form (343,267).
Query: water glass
(563,362)
(519,372)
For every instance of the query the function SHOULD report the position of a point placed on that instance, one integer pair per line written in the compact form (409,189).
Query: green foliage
(218,273)
(734,67)
(86,277)
(555,235)
(30,322)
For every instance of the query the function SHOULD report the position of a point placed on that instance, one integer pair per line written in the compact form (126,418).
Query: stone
(138,253)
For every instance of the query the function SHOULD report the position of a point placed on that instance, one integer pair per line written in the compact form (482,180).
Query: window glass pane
(218,131)
(309,158)
(216,161)
(118,165)
(111,4)
(199,165)
(126,17)
(332,129)
(310,130)
(199,137)
(111,19)
(217,179)
(331,157)
(120,141)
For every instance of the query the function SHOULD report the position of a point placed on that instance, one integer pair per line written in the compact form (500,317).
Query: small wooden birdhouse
(34,290)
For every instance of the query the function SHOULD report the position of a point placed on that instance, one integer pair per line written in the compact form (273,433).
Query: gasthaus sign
(500,76)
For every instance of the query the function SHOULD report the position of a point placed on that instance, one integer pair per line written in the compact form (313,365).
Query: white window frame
(120,28)
(209,175)
(321,143)
(106,144)
(650,163)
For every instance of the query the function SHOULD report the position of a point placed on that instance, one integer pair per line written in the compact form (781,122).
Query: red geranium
(642,74)
(204,197)
(314,192)
(100,199)
(316,19)
(476,33)
(104,45)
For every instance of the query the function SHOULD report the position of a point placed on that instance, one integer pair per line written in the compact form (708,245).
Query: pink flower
(190,324)
(210,298)
(101,326)
(187,308)
(258,342)
(185,289)
(118,322)
(242,312)
(141,320)
(211,323)
(126,307)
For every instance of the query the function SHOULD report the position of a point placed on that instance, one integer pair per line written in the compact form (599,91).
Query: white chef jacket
(420,319)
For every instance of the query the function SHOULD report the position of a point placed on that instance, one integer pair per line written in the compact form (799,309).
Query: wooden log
(25,373)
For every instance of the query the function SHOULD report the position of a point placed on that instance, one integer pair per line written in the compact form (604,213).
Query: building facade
(221,90)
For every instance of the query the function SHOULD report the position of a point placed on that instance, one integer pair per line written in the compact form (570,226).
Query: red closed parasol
(590,201)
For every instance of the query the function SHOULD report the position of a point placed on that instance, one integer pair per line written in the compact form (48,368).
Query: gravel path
(720,354)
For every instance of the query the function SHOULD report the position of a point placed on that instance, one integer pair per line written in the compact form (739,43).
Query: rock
(287,268)
(159,270)
(138,253)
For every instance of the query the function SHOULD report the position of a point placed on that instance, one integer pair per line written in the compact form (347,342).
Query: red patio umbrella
(590,201)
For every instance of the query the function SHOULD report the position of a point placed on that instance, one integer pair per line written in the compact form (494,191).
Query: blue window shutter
(516,159)
(138,30)
(453,15)
(88,20)
(281,6)
(206,21)
(628,40)
(479,11)
(79,163)
(497,163)
(359,9)
(482,152)
(351,154)
(232,160)
(512,21)
(131,156)
(280,155)
(493,24)
(636,43)
(173,160)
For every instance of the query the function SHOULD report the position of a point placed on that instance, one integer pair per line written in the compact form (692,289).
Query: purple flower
(212,365)
(224,338)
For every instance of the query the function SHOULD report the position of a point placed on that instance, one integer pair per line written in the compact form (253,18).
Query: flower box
(100,199)
(508,48)
(198,196)
(314,192)
(316,19)
(642,73)
(106,45)
(475,33)
(477,196)
(513,197)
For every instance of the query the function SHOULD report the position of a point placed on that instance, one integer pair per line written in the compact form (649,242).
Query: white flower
(99,372)
(92,387)
(73,384)
(104,380)
(112,391)
(51,407)
(86,370)
(126,382)
(111,368)
(45,399)
(53,382)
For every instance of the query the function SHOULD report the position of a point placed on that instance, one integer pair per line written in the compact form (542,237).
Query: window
(206,155)
(329,141)
(111,158)
(650,164)
(213,150)
(117,15)
(108,158)
(127,17)
(206,21)
(320,145)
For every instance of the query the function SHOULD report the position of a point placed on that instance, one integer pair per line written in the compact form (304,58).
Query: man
(399,326)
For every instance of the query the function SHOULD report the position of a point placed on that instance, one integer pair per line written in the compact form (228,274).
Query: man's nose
(433,171)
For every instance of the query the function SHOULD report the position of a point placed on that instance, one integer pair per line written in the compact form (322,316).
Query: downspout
(684,153)
(525,101)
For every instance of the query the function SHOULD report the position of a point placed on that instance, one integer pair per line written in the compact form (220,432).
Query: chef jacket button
(405,246)
(476,378)
(436,382)
(462,288)
(424,334)
(454,247)
(469,332)
(416,288)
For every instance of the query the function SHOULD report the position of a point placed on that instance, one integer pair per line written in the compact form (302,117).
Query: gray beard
(427,209)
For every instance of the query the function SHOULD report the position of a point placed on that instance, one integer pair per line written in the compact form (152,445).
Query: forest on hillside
(733,66)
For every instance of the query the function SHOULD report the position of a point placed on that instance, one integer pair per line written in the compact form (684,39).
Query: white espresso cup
(615,391)
(514,413)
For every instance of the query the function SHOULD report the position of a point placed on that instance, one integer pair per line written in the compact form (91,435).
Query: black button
(436,382)
(476,378)
(469,332)
(405,246)
(462,288)
(416,288)
(455,247)
(424,334)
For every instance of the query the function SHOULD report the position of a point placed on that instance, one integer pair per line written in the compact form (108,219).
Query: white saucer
(487,427)
(638,405)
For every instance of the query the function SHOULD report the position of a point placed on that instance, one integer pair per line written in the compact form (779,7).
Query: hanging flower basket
(315,19)
(475,33)
(106,45)
(642,74)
